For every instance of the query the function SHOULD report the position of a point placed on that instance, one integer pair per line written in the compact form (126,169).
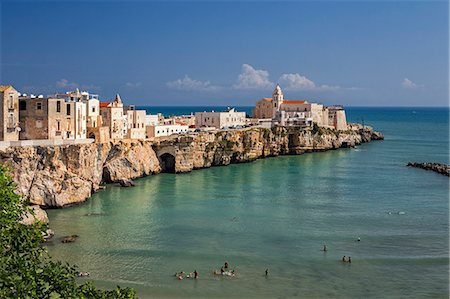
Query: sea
(277,214)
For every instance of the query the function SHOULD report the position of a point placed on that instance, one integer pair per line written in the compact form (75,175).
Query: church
(284,112)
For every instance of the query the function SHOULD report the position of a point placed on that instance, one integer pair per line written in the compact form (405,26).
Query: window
(11,101)
(58,125)
(68,109)
(93,109)
(11,120)
(39,106)
(58,107)
(23,105)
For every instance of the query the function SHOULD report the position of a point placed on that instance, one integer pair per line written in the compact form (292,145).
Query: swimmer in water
(324,248)
(267,272)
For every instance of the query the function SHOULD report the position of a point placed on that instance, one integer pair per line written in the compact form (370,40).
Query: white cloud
(192,85)
(133,84)
(408,84)
(296,82)
(299,82)
(251,78)
(66,85)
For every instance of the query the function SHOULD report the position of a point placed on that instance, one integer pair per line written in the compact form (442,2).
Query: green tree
(26,269)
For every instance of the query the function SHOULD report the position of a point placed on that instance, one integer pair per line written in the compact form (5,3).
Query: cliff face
(225,147)
(57,176)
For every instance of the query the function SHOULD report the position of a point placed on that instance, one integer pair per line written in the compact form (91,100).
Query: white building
(93,111)
(151,120)
(135,122)
(220,120)
(165,130)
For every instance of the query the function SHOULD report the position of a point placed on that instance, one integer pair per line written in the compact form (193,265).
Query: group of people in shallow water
(225,271)
(181,275)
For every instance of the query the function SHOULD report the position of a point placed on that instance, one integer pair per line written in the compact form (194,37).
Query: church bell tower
(277,100)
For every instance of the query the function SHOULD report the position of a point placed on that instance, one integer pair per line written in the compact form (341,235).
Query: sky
(380,53)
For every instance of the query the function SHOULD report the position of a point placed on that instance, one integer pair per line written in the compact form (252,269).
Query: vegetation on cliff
(26,269)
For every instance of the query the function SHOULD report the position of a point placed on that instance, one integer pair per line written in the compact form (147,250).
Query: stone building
(337,118)
(279,111)
(165,130)
(220,120)
(51,118)
(113,117)
(135,122)
(9,114)
(93,118)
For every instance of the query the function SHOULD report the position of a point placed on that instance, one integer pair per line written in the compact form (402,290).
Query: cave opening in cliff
(167,163)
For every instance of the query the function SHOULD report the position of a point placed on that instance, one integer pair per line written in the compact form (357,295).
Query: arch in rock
(167,162)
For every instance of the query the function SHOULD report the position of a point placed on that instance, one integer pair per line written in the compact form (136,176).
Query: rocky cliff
(58,176)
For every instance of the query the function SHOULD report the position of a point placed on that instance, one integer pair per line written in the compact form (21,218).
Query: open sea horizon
(277,213)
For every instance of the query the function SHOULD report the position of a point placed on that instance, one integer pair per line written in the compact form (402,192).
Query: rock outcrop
(443,169)
(37,214)
(57,176)
(193,151)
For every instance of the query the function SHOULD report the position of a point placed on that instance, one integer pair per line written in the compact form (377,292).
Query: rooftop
(293,102)
(4,87)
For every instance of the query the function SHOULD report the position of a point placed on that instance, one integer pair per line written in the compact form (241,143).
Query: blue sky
(230,53)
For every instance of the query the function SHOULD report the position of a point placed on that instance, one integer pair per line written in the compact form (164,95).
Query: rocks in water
(441,168)
(69,239)
(94,214)
(127,183)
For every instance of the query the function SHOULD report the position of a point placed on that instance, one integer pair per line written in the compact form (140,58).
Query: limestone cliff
(187,152)
(57,176)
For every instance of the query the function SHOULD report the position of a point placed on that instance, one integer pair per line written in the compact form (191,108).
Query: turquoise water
(277,213)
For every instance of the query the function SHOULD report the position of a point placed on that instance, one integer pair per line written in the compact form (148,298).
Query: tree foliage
(26,269)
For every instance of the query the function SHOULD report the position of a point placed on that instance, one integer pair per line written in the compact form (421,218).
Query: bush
(26,269)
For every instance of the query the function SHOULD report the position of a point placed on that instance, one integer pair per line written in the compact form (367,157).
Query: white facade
(220,120)
(80,120)
(93,113)
(135,123)
(151,120)
(165,130)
